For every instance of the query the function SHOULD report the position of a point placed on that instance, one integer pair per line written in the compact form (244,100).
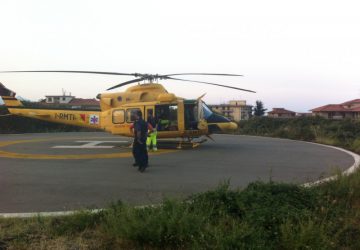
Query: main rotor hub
(150,77)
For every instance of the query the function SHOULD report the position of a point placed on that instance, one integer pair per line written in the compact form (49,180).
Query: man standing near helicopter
(140,153)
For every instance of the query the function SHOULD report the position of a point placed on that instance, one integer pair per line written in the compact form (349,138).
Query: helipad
(66,171)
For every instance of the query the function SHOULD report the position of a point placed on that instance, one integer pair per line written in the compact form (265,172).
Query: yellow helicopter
(185,119)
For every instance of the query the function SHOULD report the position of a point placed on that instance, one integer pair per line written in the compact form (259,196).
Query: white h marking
(91,145)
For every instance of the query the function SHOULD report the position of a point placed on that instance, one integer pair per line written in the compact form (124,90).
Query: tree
(259,109)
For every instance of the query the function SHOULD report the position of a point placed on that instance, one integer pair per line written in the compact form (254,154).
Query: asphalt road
(66,171)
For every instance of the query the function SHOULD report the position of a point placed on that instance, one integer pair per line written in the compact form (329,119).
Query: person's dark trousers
(140,154)
(134,154)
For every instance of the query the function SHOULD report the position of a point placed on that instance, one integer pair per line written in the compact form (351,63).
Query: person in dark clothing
(140,153)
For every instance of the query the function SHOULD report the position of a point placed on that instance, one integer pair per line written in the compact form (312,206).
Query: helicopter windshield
(206,110)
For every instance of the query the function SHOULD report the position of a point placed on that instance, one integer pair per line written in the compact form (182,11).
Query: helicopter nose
(229,126)
(232,126)
(219,123)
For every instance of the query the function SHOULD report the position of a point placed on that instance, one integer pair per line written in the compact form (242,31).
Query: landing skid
(179,144)
(175,144)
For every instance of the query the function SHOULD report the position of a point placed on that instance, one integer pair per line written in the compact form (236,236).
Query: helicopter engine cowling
(166,97)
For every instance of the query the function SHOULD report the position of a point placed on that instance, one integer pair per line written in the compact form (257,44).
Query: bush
(173,224)
(342,133)
(305,234)
(261,216)
(78,222)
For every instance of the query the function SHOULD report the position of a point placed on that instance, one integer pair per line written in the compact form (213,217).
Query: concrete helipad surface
(66,171)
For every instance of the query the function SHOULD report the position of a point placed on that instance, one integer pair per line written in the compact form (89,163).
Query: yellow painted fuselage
(185,118)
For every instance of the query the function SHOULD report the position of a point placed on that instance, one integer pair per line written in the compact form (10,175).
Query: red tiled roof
(330,108)
(280,111)
(356,101)
(80,101)
(343,107)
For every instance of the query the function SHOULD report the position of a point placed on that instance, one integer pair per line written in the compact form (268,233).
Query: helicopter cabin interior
(169,117)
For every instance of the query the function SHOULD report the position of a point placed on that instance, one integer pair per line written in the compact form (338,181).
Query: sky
(295,54)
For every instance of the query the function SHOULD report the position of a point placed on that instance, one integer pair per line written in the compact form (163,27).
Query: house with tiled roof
(281,113)
(69,101)
(81,101)
(349,109)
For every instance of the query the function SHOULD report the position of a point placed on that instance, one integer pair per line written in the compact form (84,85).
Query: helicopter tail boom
(8,97)
(82,118)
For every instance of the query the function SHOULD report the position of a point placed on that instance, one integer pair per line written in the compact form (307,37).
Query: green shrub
(173,224)
(217,203)
(356,145)
(76,223)
(261,216)
(343,133)
(305,234)
(268,205)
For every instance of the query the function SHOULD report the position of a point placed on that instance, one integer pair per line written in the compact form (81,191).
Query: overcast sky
(295,54)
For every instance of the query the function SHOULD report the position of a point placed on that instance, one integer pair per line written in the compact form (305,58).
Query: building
(281,113)
(304,114)
(58,99)
(236,110)
(69,101)
(349,109)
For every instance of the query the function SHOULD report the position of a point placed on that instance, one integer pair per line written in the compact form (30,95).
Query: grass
(261,216)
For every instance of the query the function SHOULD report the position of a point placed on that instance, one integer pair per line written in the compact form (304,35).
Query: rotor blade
(202,74)
(220,85)
(126,83)
(71,71)
(199,98)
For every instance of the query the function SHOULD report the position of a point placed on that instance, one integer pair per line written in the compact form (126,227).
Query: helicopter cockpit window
(207,111)
(167,118)
(118,116)
(130,115)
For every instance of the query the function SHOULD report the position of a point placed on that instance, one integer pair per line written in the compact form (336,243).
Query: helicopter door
(191,115)
(149,110)
(202,124)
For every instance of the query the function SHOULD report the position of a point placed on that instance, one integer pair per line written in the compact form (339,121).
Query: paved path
(65,171)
